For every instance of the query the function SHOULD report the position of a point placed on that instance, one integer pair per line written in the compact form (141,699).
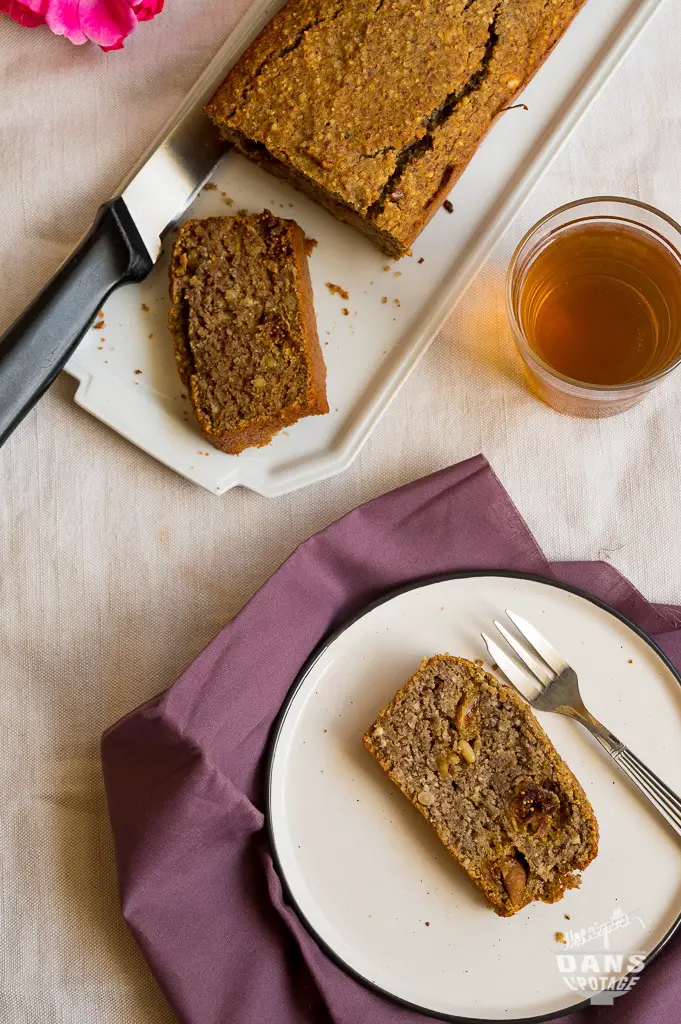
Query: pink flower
(106,22)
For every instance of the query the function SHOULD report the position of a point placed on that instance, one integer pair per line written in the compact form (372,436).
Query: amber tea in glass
(595,302)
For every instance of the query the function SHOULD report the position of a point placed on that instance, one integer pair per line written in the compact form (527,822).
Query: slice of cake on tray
(243,324)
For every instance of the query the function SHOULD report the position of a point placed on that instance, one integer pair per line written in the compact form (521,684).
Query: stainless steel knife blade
(179,162)
(182,157)
(168,180)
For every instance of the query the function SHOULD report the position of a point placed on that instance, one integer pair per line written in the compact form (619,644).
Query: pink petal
(147,9)
(114,46)
(106,22)
(29,13)
(62,18)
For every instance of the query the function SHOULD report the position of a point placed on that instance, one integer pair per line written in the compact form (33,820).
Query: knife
(121,246)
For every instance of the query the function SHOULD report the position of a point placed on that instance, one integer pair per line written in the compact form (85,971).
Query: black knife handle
(37,345)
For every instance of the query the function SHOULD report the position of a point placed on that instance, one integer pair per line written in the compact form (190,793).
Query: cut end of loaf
(330,96)
(472,758)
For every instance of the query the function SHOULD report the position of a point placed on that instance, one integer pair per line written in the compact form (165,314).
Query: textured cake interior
(377,107)
(471,756)
(238,322)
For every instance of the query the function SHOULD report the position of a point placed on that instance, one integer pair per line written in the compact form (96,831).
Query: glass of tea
(594,299)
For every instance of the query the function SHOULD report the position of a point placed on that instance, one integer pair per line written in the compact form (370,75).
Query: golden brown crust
(566,781)
(254,430)
(376,109)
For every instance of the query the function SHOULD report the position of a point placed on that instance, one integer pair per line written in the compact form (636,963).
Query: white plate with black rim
(371,881)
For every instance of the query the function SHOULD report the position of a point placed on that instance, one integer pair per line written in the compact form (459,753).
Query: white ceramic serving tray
(126,369)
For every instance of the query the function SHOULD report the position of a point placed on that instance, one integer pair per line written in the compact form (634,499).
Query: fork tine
(536,667)
(515,675)
(543,648)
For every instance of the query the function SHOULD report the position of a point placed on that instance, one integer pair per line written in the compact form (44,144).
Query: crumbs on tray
(336,289)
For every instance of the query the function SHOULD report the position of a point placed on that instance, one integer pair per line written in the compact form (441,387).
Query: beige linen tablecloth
(114,572)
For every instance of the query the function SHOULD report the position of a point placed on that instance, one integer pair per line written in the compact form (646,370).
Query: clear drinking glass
(622,219)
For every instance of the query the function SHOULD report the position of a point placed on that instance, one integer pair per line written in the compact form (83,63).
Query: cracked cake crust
(470,755)
(377,107)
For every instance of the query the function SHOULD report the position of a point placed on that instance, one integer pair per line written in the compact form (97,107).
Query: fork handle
(658,792)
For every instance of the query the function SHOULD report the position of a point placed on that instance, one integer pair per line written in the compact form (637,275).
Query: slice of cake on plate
(470,755)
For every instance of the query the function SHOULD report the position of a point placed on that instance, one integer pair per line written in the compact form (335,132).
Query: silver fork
(559,691)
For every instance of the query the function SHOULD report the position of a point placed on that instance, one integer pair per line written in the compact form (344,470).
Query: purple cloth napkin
(184,772)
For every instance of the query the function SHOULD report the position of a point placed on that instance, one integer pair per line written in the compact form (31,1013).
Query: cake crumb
(227,200)
(98,326)
(144,307)
(427,924)
(210,187)
(560,937)
(421,260)
(397,302)
(631,661)
(387,266)
(310,244)
(448,206)
(326,730)
(336,289)
(138,371)
(384,299)
(150,335)
(397,273)
(345,311)
(566,916)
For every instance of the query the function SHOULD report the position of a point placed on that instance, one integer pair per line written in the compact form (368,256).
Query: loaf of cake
(375,108)
(243,323)
(470,755)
